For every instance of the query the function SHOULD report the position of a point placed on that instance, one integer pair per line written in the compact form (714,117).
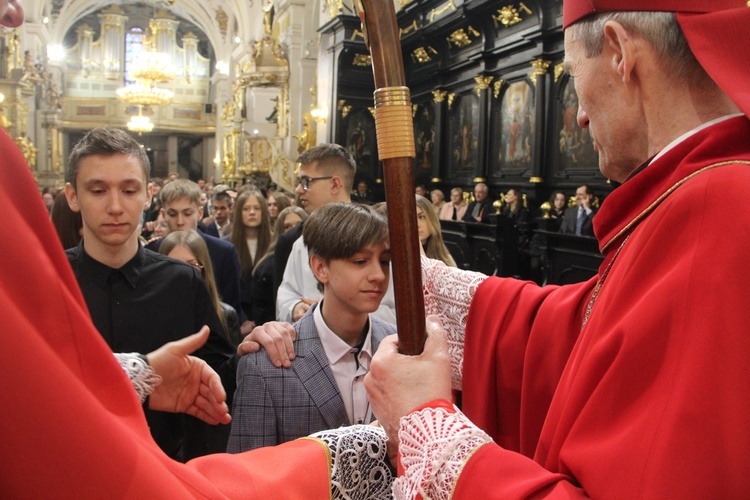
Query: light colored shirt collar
(335,347)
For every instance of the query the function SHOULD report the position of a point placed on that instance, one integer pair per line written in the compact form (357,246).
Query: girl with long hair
(189,247)
(263,298)
(251,236)
(430,234)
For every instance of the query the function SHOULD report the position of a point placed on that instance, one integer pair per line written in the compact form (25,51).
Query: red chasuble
(72,426)
(651,398)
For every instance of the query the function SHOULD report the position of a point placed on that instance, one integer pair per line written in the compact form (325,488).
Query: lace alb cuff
(359,462)
(140,373)
(435,444)
(447,293)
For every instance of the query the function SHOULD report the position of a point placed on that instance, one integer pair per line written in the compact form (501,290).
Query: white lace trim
(140,373)
(447,293)
(435,445)
(359,462)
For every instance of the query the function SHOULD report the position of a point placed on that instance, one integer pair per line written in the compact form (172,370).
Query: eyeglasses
(305,181)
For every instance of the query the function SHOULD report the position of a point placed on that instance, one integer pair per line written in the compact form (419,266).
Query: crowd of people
(632,384)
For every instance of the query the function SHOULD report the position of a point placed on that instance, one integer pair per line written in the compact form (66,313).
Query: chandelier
(138,94)
(149,68)
(139,123)
(153,66)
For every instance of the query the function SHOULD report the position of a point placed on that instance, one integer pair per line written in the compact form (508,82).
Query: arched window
(133,47)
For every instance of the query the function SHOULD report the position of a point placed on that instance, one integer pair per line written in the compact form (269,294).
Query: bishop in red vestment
(634,384)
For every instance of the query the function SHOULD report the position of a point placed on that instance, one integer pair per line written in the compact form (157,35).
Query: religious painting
(463,130)
(574,144)
(513,120)
(361,140)
(424,137)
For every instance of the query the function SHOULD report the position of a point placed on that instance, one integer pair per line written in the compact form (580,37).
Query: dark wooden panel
(570,258)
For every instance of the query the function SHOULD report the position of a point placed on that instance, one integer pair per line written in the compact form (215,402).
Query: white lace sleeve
(447,293)
(359,462)
(434,446)
(140,373)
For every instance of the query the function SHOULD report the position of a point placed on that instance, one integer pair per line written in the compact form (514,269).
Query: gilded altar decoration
(421,55)
(497,87)
(438,95)
(460,38)
(268,15)
(227,111)
(282,112)
(335,7)
(307,138)
(451,98)
(371,109)
(357,34)
(540,69)
(363,60)
(27,149)
(483,83)
(439,11)
(405,31)
(509,15)
(343,108)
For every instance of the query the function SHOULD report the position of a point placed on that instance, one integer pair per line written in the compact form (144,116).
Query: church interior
(231,91)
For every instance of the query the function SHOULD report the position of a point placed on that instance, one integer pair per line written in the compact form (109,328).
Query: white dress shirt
(348,371)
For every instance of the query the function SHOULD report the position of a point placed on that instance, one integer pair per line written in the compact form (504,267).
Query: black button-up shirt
(149,301)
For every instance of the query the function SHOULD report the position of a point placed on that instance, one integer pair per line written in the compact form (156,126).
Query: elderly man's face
(606,107)
(480,193)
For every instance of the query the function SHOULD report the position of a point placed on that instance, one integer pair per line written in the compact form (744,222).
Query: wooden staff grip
(395,134)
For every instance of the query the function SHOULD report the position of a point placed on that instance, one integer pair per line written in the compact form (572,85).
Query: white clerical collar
(684,136)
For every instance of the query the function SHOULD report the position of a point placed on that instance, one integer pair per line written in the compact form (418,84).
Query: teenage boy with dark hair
(336,338)
(138,300)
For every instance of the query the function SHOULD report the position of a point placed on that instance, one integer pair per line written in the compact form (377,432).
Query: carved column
(438,101)
(482,90)
(539,77)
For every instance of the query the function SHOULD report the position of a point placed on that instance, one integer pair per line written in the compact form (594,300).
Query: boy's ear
(319,268)
(72,197)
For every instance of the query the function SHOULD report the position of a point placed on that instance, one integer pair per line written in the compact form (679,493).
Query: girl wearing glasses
(189,247)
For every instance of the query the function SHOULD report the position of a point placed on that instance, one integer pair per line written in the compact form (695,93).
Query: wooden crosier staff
(396,149)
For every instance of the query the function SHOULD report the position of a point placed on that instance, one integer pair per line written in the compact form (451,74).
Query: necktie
(455,213)
(579,221)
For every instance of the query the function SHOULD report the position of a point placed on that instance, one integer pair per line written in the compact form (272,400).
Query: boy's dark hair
(222,196)
(340,230)
(105,141)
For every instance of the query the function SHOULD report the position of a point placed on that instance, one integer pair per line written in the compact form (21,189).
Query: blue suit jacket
(274,405)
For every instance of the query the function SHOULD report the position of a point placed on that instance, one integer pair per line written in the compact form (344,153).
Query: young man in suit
(221,207)
(579,221)
(335,340)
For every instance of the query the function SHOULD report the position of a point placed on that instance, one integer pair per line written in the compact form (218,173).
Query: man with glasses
(326,175)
